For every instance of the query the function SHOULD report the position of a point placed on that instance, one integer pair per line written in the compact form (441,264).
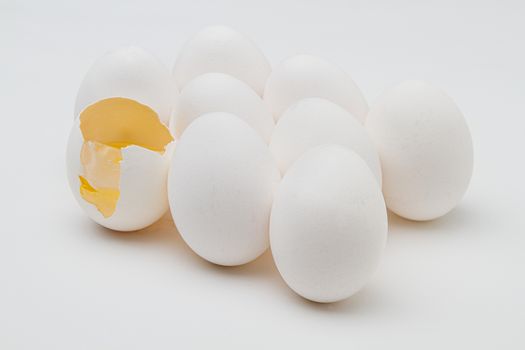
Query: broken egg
(118,149)
(224,50)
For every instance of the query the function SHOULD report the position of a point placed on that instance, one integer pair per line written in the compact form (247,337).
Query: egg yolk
(108,126)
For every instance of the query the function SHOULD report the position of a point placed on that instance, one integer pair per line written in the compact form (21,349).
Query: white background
(66,283)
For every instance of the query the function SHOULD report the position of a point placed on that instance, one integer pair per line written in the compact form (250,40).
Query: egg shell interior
(142,185)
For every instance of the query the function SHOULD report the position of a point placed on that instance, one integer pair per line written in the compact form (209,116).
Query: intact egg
(303,76)
(425,149)
(315,121)
(218,92)
(328,224)
(220,188)
(222,49)
(133,73)
(117,156)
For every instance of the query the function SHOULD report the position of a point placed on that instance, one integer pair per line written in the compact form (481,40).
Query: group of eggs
(248,157)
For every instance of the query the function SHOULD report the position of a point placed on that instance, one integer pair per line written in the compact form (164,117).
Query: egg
(133,73)
(218,92)
(119,145)
(303,76)
(328,224)
(220,189)
(425,149)
(222,49)
(315,121)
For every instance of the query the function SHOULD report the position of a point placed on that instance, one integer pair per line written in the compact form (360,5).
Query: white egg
(425,149)
(303,76)
(119,146)
(220,189)
(222,49)
(218,92)
(328,224)
(133,73)
(315,121)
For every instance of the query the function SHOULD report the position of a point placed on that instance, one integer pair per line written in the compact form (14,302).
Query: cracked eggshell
(143,176)
(220,189)
(425,148)
(132,73)
(218,92)
(222,49)
(328,225)
(303,76)
(315,121)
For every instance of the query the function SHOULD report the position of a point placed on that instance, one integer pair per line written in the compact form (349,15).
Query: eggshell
(218,92)
(222,49)
(328,224)
(220,189)
(303,76)
(143,195)
(132,73)
(315,121)
(425,149)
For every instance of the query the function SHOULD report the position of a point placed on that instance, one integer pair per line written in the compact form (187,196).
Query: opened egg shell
(119,145)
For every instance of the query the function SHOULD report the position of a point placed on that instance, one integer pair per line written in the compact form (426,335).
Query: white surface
(67,283)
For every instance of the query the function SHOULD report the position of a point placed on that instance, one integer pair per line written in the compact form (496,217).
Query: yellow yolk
(108,126)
